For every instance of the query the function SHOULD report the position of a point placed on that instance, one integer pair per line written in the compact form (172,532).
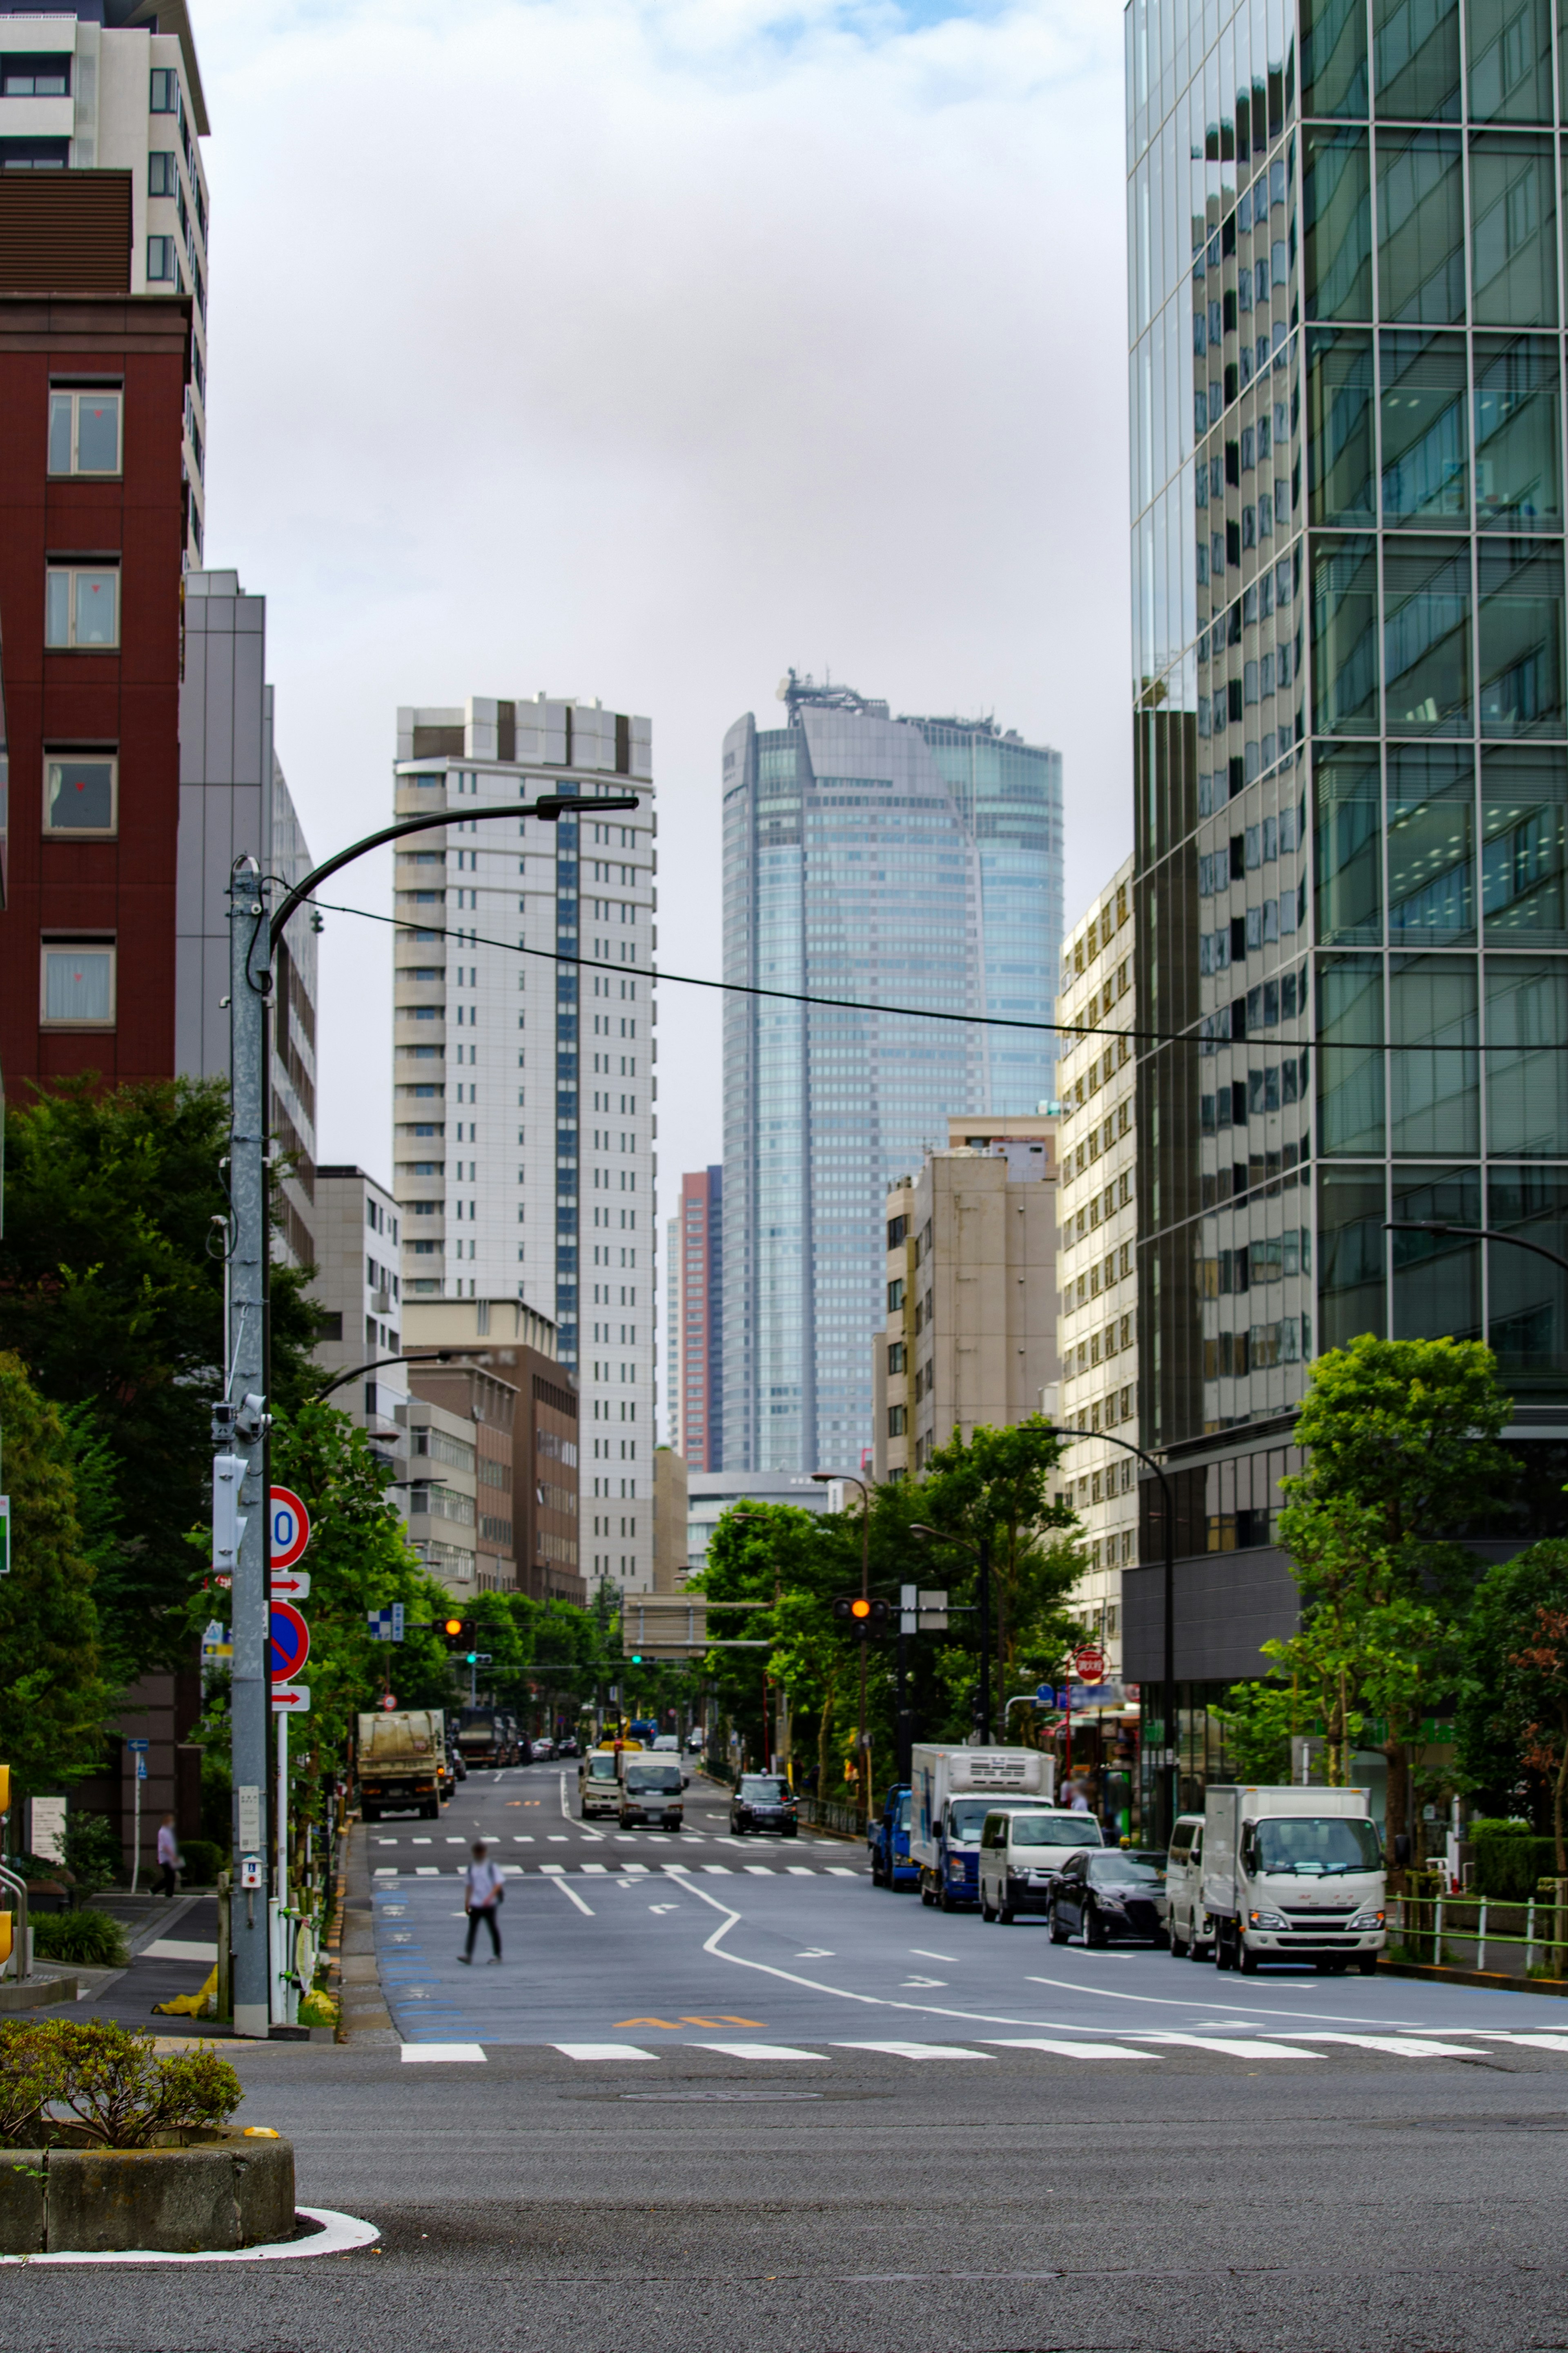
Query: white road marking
(916,2049)
(523,1838)
(800,1870)
(552,1870)
(922,1954)
(1232,2046)
(177,1948)
(385,1871)
(923,1981)
(413,2052)
(1237,2013)
(571,1896)
(1409,2046)
(763,2051)
(718,1870)
(1065,2049)
(458,1842)
(422,1842)
(760,1869)
(600,1867)
(1527,2041)
(604,2050)
(818,1953)
(558,1837)
(428,1871)
(841,1871)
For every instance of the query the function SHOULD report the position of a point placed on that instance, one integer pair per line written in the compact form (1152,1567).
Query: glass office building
(1345,299)
(896,862)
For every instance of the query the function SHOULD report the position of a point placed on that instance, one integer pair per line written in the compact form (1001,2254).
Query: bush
(113,2089)
(1510,1859)
(94,1939)
(201,1859)
(93,1851)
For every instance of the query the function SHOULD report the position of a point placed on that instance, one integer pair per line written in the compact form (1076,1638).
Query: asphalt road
(981,2144)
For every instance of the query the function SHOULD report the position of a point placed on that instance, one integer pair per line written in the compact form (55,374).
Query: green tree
(112,1298)
(55,1700)
(1499,1699)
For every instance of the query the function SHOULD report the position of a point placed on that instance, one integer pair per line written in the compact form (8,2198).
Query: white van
(1021,1850)
(1192,1930)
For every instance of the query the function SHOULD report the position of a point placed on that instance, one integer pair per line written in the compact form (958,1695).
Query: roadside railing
(824,1814)
(1427,1923)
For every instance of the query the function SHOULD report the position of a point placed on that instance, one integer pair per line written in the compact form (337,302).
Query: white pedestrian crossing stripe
(1166,2045)
(1068,2050)
(915,2050)
(763,2051)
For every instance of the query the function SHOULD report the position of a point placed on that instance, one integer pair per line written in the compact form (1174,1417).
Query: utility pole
(239,1435)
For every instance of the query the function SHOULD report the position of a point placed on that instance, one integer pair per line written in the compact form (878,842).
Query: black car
(567,1746)
(764,1801)
(1111,1895)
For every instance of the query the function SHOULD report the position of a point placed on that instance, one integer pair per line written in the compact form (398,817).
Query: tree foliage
(109,1297)
(55,1699)
(1510,1696)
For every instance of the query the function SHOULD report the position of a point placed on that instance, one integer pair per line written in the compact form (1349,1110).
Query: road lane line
(1231,2009)
(762,2051)
(1065,2049)
(571,1895)
(603,2051)
(1232,2045)
(916,2049)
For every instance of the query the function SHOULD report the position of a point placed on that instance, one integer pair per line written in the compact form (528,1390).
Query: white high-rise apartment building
(1098,1258)
(523,1064)
(114,85)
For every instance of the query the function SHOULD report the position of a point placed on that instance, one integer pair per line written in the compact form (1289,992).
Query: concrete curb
(340,2234)
(364,2014)
(1491,1981)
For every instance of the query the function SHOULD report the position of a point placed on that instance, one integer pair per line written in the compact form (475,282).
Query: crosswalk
(1450,2042)
(385,1870)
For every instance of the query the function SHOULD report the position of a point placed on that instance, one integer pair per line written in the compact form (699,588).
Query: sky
(642,350)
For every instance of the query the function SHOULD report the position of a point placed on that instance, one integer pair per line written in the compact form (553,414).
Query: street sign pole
(240,1428)
(276,1989)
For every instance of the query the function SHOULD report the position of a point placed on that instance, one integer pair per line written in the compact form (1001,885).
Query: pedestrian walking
(168,1853)
(483,1899)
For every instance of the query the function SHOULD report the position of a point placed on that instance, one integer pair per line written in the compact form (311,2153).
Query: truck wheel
(370,1813)
(1005,1915)
(1367,1965)
(430,1811)
(926,1896)
(985,1911)
(944,1900)
(1246,1963)
(1178,1947)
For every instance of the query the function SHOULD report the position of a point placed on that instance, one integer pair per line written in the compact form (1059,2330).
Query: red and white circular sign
(1090,1662)
(287,1527)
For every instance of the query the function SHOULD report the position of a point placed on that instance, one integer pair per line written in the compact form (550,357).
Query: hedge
(1510,1859)
(201,1859)
(94,1938)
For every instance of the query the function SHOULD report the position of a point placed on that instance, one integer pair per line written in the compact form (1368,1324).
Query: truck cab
(1294,1873)
(650,1789)
(957,1874)
(889,1842)
(599,1784)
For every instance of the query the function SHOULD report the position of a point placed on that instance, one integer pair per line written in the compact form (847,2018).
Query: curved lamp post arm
(1480,1233)
(341,1380)
(551,806)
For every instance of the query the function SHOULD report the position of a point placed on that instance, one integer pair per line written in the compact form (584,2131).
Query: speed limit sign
(287,1527)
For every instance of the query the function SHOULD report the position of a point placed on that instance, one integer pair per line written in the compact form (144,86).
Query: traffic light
(861,1616)
(460,1637)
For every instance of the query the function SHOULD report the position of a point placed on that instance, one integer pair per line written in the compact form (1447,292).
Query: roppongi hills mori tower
(1351,737)
(895,862)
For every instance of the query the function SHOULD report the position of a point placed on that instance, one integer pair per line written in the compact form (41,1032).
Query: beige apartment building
(1099,1245)
(971,1334)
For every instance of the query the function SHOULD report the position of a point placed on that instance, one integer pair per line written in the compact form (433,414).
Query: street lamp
(862,1767)
(1171,1768)
(980,1551)
(1481,1233)
(241,1418)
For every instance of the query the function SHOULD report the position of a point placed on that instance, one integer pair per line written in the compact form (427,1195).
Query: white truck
(1293,1874)
(952,1791)
(652,1789)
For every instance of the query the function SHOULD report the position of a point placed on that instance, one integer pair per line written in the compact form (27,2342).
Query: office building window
(78,985)
(36,77)
(81,796)
(81,609)
(162,174)
(162,262)
(164,96)
(84,432)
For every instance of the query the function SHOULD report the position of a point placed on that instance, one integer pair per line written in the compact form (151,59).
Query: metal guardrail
(18,1887)
(826,1815)
(1426,1922)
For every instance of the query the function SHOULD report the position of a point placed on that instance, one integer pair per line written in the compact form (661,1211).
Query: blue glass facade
(896,862)
(1351,724)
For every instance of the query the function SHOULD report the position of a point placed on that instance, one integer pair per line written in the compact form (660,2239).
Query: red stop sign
(1090,1663)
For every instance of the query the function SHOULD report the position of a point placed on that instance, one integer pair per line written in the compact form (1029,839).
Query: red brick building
(92,527)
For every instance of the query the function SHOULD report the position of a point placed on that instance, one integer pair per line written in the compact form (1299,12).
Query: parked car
(1191,1928)
(1115,1896)
(567,1745)
(667,1742)
(696,1741)
(1023,1852)
(540,1751)
(889,1841)
(764,1801)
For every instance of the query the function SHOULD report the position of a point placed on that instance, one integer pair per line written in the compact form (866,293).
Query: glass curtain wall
(1346,307)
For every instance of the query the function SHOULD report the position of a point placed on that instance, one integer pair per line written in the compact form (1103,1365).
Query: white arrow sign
(290,1585)
(291,1699)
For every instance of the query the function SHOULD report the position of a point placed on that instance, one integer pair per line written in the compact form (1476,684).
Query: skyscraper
(899,862)
(694,1355)
(1350,723)
(523,1087)
(113,87)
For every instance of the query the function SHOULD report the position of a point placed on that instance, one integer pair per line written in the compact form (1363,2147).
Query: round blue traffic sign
(291,1642)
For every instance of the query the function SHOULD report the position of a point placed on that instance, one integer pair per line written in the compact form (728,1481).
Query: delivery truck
(651,1789)
(952,1791)
(1293,1874)
(401,1754)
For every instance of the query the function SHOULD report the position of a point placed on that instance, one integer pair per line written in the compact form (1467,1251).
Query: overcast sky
(641,351)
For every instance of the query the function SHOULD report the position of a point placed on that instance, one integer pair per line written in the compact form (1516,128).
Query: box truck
(1293,1874)
(402,1753)
(952,1791)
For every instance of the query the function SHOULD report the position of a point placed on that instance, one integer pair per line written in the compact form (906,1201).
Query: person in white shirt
(481,1900)
(1078,1803)
(168,1854)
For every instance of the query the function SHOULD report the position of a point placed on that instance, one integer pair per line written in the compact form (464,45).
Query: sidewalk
(366,2019)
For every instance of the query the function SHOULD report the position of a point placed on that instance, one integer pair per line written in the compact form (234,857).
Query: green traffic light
(637,1658)
(473,1659)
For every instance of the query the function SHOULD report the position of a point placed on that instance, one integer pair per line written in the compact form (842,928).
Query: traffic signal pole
(240,1421)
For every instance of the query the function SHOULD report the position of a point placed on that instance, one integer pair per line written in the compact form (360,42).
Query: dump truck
(401,1754)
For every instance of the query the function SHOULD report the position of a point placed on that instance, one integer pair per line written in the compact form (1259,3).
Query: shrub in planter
(1510,1859)
(102,2085)
(201,1859)
(94,1938)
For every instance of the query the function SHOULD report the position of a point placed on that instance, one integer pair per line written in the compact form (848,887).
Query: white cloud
(640,352)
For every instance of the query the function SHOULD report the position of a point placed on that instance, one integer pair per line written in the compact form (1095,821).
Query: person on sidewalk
(481,1900)
(168,1854)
